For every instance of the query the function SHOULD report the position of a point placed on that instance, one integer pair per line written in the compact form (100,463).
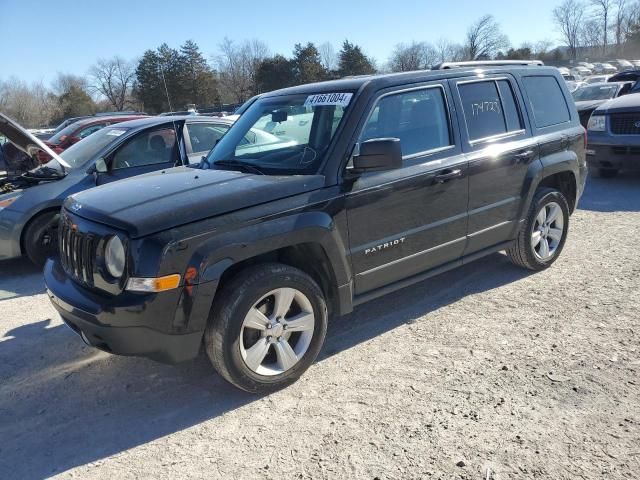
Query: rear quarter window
(546,100)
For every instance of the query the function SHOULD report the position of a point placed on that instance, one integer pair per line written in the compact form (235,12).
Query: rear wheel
(40,238)
(266,327)
(543,233)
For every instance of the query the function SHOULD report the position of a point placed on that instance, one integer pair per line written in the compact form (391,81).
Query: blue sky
(40,38)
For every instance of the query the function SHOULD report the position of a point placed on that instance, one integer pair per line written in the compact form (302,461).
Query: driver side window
(147,148)
(417,117)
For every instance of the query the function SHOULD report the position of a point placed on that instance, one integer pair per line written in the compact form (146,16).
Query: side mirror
(377,155)
(99,167)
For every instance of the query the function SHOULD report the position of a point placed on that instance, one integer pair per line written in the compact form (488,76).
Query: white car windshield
(595,92)
(288,134)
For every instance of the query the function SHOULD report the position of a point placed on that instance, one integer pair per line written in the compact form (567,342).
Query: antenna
(166,90)
(181,151)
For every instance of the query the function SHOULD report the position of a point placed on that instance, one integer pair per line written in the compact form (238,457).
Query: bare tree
(591,35)
(621,22)
(65,82)
(568,19)
(414,56)
(328,56)
(113,79)
(484,39)
(541,48)
(30,105)
(446,51)
(238,65)
(603,8)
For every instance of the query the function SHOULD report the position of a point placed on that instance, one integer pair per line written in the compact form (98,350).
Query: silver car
(30,202)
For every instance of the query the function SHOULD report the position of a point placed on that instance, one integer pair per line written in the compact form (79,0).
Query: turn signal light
(159,284)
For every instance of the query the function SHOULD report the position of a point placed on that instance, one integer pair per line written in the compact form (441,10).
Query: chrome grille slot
(77,252)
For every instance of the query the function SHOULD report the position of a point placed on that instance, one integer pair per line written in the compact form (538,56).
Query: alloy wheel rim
(277,331)
(547,231)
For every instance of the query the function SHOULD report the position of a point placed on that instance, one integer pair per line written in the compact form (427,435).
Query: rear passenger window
(511,112)
(418,118)
(547,101)
(489,108)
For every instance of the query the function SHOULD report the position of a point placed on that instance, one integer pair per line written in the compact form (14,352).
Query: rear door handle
(448,175)
(524,156)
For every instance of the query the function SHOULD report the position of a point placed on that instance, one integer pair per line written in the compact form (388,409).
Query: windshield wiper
(236,163)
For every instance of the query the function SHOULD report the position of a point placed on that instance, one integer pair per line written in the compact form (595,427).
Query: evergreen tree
(200,84)
(149,88)
(274,73)
(351,61)
(307,67)
(169,79)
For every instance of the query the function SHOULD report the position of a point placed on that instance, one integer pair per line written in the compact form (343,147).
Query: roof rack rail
(488,63)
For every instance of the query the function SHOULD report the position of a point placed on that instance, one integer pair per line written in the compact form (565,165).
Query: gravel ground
(484,372)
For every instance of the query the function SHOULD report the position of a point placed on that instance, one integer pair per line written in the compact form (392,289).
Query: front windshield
(288,134)
(595,92)
(81,152)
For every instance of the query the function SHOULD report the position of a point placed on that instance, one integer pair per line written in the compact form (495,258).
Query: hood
(25,141)
(624,104)
(159,201)
(588,104)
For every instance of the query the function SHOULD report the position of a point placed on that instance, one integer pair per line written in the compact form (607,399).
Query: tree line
(170,79)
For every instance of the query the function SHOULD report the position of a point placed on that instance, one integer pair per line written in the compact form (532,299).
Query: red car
(78,130)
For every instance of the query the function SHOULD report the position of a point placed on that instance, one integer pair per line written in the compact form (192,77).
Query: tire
(528,253)
(607,172)
(40,238)
(231,343)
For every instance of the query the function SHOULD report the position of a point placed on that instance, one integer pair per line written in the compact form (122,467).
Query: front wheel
(40,238)
(544,231)
(266,328)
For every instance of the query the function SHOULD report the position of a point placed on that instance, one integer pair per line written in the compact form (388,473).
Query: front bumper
(623,156)
(120,325)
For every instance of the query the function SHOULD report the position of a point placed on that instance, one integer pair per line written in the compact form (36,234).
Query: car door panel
(496,182)
(405,221)
(498,163)
(410,223)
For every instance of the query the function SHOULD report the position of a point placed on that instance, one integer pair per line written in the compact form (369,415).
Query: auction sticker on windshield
(116,132)
(326,99)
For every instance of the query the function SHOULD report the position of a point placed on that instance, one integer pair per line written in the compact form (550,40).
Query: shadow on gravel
(19,278)
(619,194)
(63,404)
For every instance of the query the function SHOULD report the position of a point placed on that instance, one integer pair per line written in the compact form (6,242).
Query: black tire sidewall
(544,198)
(231,318)
(33,247)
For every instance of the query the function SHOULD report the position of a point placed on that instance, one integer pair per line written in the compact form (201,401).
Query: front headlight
(5,202)
(596,123)
(114,257)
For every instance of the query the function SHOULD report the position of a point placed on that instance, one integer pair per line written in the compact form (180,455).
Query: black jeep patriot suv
(320,198)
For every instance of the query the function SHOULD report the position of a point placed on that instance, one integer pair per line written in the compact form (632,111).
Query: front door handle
(524,156)
(448,175)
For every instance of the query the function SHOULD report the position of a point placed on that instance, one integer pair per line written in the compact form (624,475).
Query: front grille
(77,252)
(625,124)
